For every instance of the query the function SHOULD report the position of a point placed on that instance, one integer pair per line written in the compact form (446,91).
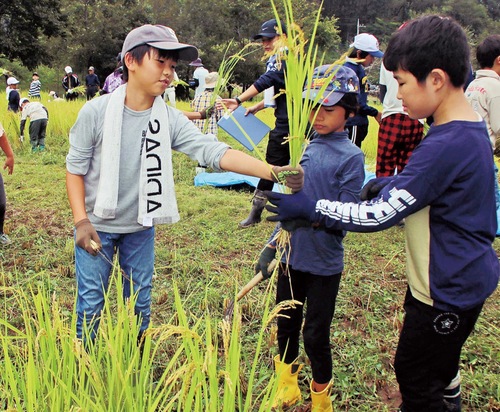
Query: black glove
(85,232)
(290,207)
(265,258)
(291,225)
(374,186)
(293,177)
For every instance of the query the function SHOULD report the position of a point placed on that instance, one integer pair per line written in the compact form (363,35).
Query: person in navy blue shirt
(364,51)
(447,195)
(272,36)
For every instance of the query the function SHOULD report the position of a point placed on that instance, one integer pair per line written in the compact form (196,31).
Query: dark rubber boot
(258,203)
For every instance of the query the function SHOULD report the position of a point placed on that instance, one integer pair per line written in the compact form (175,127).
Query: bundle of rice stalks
(301,57)
(80,90)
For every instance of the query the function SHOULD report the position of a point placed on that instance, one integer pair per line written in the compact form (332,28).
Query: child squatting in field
(311,267)
(447,195)
(119,172)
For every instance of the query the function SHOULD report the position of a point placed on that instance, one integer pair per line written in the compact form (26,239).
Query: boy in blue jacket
(311,268)
(446,193)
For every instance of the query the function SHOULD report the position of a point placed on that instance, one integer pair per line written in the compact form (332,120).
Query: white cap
(367,43)
(68,69)
(12,80)
(91,68)
(24,99)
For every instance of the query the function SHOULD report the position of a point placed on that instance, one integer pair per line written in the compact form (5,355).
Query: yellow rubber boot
(321,401)
(288,392)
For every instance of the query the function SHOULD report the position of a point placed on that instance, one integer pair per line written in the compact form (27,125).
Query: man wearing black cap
(271,82)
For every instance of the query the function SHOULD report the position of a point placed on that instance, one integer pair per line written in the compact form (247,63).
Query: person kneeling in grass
(120,177)
(447,195)
(311,267)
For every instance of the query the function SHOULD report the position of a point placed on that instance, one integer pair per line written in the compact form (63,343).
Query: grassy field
(208,259)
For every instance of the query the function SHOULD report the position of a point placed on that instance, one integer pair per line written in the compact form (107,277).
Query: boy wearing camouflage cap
(311,269)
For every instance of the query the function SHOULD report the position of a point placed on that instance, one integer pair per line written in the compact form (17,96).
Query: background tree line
(47,35)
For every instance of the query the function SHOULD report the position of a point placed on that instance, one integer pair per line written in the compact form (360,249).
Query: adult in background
(364,51)
(12,94)
(483,93)
(199,76)
(203,102)
(69,82)
(92,83)
(114,79)
(35,87)
(398,134)
(271,82)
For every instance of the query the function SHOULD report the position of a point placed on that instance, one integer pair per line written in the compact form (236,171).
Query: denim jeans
(136,258)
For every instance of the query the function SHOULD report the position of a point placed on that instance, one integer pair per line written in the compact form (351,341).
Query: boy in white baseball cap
(13,96)
(116,207)
(365,49)
(368,43)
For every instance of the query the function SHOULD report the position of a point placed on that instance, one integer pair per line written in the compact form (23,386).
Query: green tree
(95,33)
(211,26)
(22,22)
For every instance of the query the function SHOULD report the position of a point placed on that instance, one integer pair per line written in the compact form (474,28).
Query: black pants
(91,92)
(320,293)
(277,154)
(38,130)
(428,353)
(357,133)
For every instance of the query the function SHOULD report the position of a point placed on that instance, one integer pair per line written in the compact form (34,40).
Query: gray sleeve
(188,139)
(84,136)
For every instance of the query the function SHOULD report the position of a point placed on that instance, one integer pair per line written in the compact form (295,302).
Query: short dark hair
(139,52)
(349,102)
(428,43)
(488,50)
(354,53)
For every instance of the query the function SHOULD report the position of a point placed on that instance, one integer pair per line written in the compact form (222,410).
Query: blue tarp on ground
(226,179)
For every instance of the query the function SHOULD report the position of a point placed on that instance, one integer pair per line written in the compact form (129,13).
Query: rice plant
(186,364)
(225,72)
